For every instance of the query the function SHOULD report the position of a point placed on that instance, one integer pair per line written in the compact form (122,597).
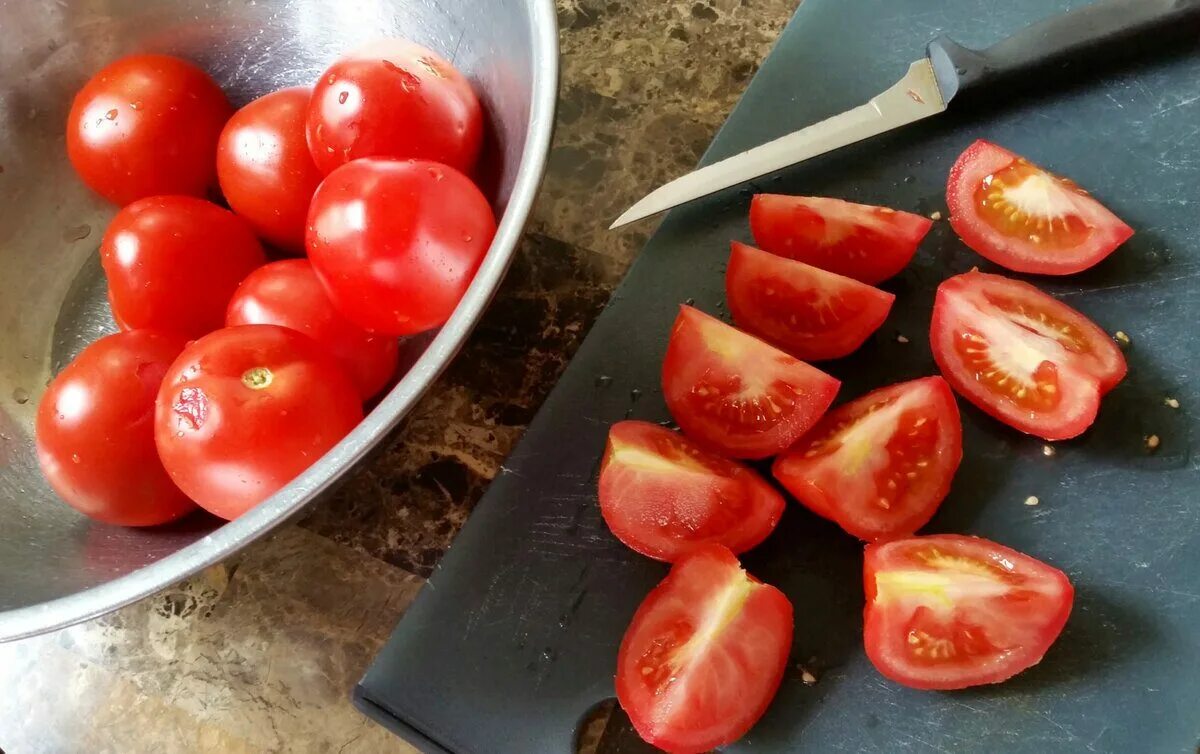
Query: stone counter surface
(259,654)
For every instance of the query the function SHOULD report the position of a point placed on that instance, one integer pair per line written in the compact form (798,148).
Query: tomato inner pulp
(1022,201)
(741,405)
(803,311)
(1038,392)
(1041,322)
(912,441)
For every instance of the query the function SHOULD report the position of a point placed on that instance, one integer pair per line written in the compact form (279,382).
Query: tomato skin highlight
(867,243)
(244,410)
(95,431)
(393,98)
(1088,231)
(1064,361)
(948,611)
(265,170)
(732,393)
(173,262)
(147,125)
(810,313)
(688,697)
(396,244)
(663,496)
(902,460)
(288,293)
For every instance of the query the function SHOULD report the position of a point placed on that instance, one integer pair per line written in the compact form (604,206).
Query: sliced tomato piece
(948,611)
(662,495)
(704,654)
(1021,355)
(1025,218)
(809,312)
(879,466)
(735,394)
(859,241)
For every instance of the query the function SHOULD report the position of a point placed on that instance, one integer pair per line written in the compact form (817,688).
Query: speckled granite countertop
(259,654)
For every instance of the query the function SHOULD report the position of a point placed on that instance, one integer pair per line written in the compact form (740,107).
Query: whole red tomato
(95,431)
(173,262)
(244,410)
(396,243)
(394,98)
(266,173)
(147,125)
(288,293)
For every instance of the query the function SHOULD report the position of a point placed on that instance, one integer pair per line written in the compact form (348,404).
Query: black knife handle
(1062,41)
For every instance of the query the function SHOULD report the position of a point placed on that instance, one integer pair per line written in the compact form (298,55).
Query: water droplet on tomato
(111,114)
(75,458)
(135,105)
(343,97)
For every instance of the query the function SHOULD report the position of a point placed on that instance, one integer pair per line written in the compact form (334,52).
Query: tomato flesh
(735,394)
(1021,355)
(880,465)
(808,312)
(95,431)
(704,654)
(948,611)
(662,495)
(244,410)
(147,125)
(859,241)
(1025,218)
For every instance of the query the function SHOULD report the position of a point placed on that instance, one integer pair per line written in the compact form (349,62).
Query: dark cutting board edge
(514,638)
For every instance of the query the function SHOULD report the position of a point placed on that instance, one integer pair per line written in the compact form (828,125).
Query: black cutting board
(515,636)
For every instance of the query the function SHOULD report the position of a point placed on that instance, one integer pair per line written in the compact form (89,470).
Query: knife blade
(947,70)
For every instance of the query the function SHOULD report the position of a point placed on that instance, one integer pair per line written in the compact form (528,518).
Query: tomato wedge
(1021,355)
(704,654)
(948,611)
(810,313)
(662,495)
(879,466)
(859,241)
(1025,218)
(733,393)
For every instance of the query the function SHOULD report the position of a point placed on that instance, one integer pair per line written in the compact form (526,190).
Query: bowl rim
(281,507)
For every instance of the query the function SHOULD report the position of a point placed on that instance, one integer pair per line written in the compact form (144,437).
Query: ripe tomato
(808,312)
(95,431)
(947,611)
(287,293)
(735,394)
(662,495)
(859,241)
(147,125)
(1025,218)
(393,98)
(1027,359)
(244,410)
(396,243)
(266,173)
(172,263)
(880,465)
(704,654)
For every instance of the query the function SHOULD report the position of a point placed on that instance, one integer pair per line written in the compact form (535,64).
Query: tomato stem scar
(257,378)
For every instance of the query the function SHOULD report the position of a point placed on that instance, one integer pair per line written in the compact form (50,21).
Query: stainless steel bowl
(56,567)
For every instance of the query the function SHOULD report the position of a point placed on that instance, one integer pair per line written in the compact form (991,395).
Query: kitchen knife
(947,71)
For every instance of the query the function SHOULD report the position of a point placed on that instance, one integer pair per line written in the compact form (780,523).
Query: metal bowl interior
(57,567)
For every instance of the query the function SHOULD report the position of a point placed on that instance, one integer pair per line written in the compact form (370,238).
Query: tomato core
(1024,202)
